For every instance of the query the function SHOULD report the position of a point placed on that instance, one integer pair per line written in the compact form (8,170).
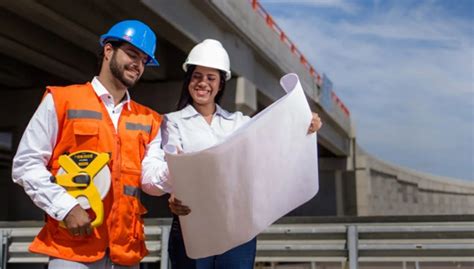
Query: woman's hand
(177,207)
(315,124)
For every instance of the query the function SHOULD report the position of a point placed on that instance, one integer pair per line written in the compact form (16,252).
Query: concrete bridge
(55,43)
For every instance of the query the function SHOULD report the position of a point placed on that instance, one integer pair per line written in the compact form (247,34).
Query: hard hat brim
(151,59)
(228,74)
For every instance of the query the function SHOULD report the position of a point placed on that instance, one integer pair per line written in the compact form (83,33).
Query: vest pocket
(139,225)
(129,222)
(86,135)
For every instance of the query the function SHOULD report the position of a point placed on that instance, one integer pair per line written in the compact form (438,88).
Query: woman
(200,123)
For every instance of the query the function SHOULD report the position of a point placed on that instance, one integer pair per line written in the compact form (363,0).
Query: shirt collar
(223,113)
(101,91)
(189,111)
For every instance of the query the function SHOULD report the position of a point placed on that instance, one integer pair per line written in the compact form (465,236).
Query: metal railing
(348,243)
(17,236)
(352,241)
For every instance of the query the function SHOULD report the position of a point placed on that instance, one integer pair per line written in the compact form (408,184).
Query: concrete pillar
(333,173)
(339,192)
(362,186)
(240,95)
(246,96)
(228,99)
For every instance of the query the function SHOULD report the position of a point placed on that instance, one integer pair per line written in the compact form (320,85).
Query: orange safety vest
(84,124)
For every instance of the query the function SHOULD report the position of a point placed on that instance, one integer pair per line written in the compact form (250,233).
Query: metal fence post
(417,265)
(4,236)
(1,251)
(165,234)
(352,246)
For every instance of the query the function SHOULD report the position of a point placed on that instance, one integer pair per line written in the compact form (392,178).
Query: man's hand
(77,222)
(315,124)
(177,207)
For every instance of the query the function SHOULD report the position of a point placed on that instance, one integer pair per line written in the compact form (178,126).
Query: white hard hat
(209,53)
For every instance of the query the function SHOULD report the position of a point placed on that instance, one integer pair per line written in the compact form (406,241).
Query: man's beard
(118,73)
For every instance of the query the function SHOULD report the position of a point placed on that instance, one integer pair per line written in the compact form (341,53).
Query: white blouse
(187,130)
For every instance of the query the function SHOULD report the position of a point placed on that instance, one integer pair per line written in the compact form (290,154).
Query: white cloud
(407,76)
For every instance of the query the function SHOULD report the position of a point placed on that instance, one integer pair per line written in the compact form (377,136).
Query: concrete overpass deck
(54,42)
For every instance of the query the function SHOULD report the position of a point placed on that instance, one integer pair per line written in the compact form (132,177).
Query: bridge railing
(379,242)
(316,76)
(347,243)
(15,238)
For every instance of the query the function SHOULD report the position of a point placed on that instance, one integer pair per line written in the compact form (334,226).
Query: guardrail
(351,244)
(15,238)
(348,243)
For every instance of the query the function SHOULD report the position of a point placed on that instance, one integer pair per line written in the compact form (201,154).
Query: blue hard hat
(137,34)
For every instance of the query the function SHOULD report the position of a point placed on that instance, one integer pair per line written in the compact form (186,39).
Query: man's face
(127,64)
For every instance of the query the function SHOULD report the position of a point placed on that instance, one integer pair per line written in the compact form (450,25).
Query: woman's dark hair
(100,58)
(186,98)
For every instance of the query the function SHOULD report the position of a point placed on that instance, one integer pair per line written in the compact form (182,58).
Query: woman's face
(204,85)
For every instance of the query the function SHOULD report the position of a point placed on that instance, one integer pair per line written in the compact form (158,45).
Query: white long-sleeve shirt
(37,144)
(188,131)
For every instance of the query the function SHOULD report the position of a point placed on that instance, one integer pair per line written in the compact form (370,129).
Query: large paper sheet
(239,187)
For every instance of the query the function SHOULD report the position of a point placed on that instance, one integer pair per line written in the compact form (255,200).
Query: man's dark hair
(100,58)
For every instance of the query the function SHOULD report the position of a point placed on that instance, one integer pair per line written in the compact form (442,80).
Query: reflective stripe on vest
(83,114)
(131,191)
(137,127)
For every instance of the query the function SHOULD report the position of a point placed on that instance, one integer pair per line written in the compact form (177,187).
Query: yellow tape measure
(78,177)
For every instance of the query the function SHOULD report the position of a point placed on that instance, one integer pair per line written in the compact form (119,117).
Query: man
(96,117)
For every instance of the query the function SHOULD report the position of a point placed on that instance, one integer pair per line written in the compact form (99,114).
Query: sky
(405,70)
